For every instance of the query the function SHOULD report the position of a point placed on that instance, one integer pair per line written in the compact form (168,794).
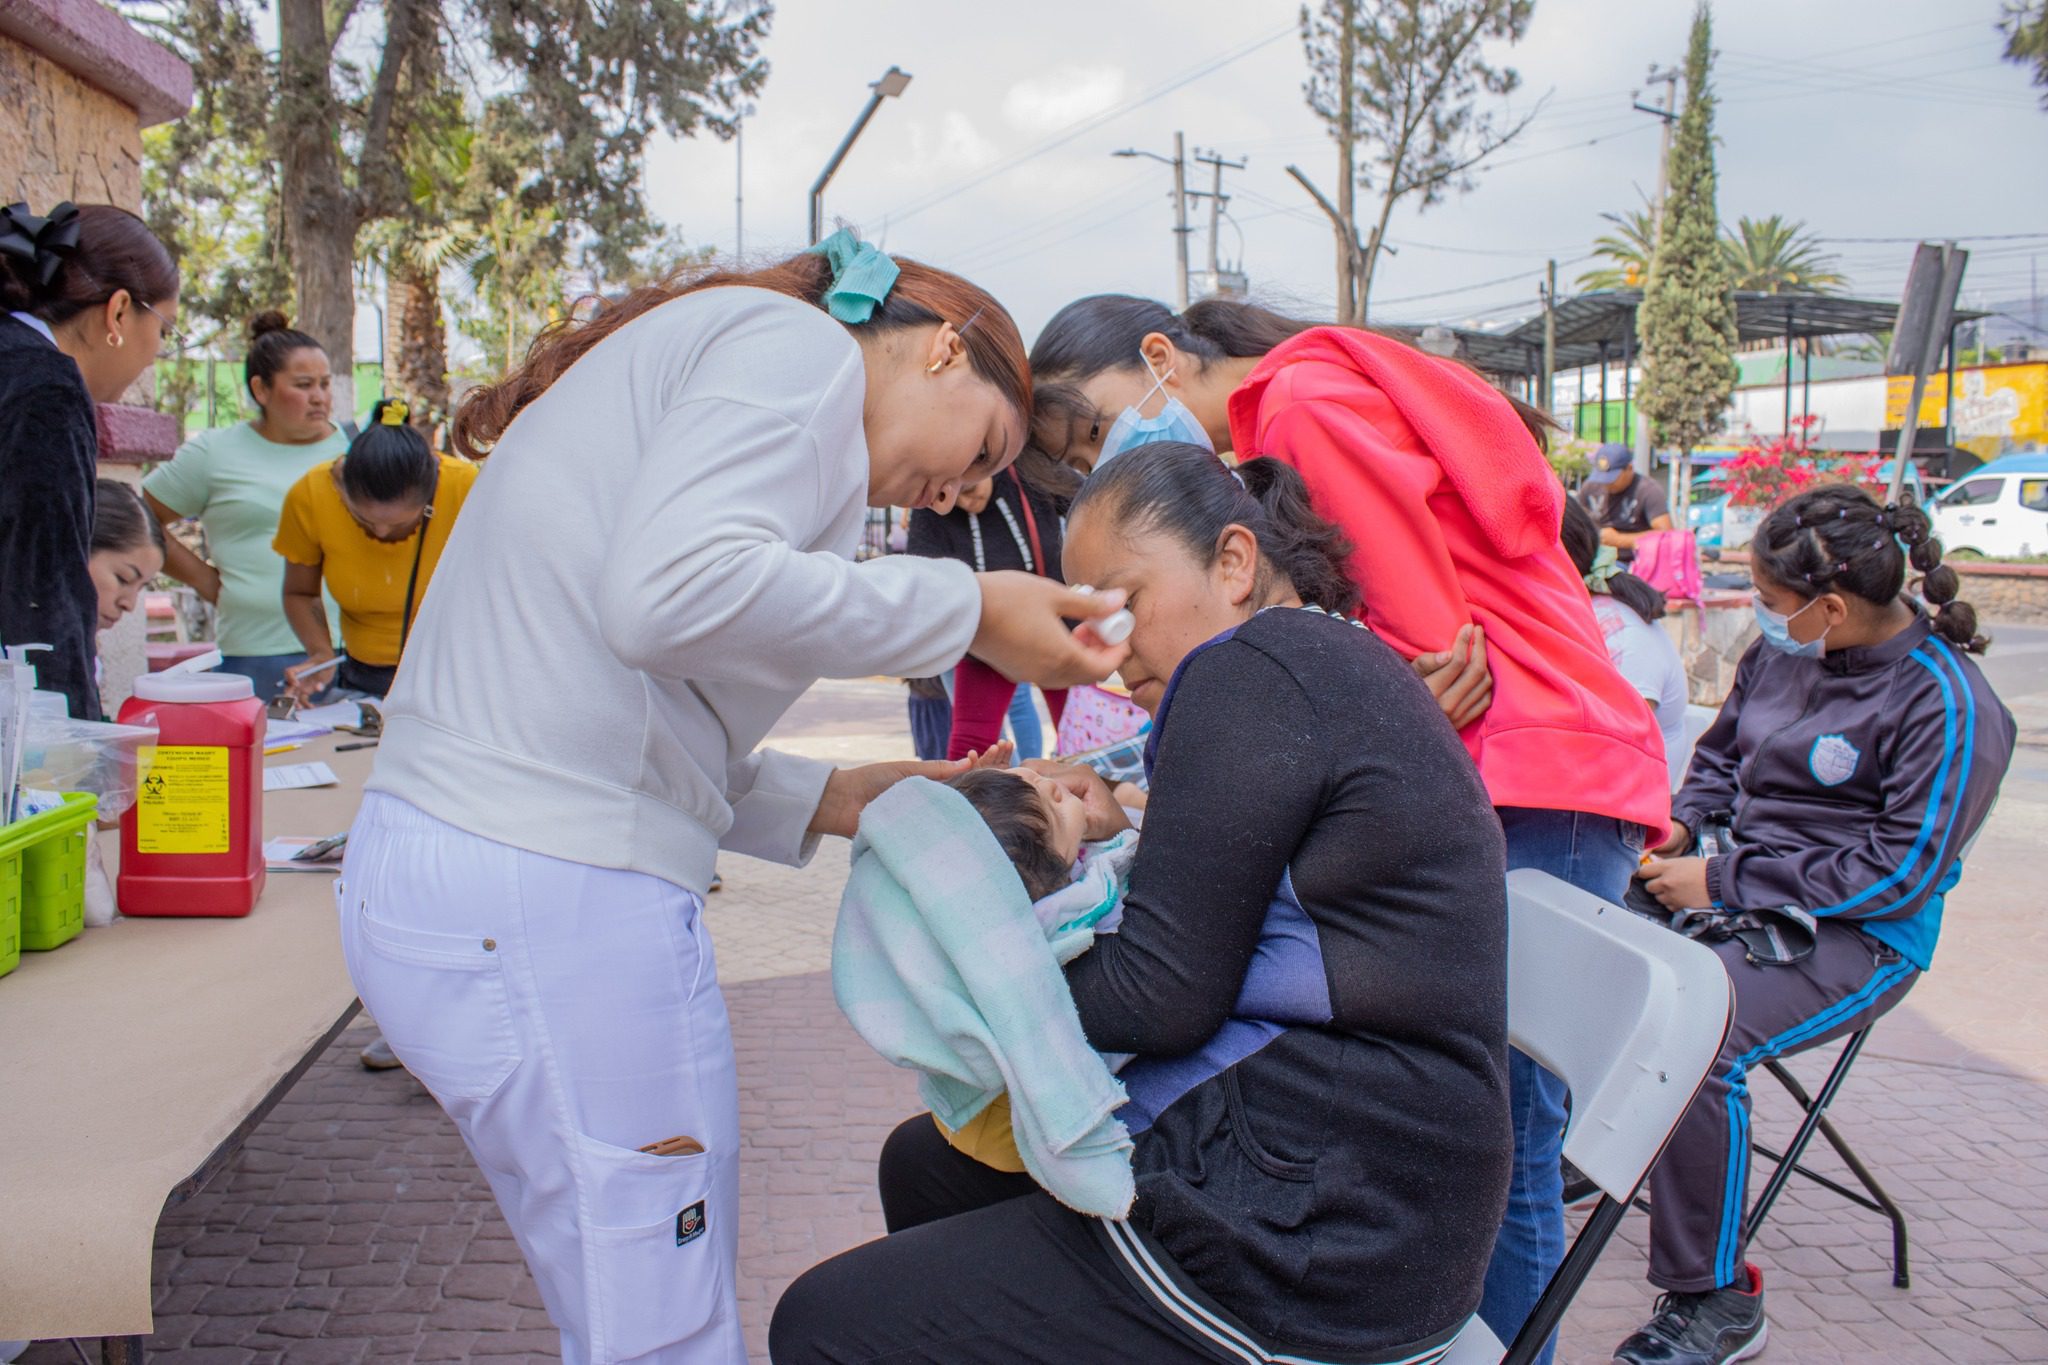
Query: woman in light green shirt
(233,479)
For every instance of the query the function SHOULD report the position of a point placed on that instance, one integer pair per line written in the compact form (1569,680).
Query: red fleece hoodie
(1454,514)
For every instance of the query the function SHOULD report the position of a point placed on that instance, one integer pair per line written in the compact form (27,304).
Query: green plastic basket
(51,848)
(10,911)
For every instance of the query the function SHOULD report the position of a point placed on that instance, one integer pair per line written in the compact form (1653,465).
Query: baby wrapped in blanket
(965,900)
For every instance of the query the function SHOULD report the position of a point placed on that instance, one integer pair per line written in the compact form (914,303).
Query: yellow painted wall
(1998,407)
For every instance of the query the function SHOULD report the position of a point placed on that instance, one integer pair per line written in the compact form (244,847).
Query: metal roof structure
(1601,327)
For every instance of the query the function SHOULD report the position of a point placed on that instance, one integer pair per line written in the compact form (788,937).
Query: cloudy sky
(1865,118)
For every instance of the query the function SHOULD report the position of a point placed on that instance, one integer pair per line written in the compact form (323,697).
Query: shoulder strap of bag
(412,581)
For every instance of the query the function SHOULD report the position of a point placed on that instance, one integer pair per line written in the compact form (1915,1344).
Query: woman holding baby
(1325,1191)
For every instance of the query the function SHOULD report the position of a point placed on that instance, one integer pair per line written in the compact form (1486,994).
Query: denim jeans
(266,671)
(1599,854)
(1024,726)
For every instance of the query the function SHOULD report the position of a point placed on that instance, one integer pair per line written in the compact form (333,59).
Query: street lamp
(894,82)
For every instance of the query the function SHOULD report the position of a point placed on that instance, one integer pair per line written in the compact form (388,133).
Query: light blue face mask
(1133,429)
(1777,631)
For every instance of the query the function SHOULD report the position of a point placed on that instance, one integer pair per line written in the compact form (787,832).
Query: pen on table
(280,749)
(359,744)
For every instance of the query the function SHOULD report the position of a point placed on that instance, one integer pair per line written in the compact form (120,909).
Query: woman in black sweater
(1325,1192)
(86,300)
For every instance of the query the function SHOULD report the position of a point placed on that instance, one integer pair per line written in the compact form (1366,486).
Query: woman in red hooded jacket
(1440,482)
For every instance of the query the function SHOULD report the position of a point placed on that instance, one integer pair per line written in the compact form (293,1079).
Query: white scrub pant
(565,1016)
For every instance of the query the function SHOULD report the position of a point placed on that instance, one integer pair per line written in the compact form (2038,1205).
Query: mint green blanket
(941,966)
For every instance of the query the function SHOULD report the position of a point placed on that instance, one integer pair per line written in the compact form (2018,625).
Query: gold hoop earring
(934,367)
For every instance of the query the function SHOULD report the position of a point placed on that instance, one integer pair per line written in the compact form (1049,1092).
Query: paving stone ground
(354,1226)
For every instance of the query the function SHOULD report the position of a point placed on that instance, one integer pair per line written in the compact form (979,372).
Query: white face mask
(1132,428)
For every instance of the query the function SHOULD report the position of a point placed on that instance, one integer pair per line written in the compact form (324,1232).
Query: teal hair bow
(1606,564)
(862,276)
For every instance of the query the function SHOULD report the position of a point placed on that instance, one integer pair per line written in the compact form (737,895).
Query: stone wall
(2006,592)
(63,138)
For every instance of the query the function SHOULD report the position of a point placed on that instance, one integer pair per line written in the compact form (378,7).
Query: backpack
(1670,562)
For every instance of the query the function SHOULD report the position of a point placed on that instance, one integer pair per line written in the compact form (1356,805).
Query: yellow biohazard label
(183,804)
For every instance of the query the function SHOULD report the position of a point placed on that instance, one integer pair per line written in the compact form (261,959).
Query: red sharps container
(193,842)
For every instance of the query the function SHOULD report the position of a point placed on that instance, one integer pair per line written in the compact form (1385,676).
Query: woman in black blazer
(87,296)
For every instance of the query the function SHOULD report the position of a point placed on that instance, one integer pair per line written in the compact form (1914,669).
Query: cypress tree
(1687,319)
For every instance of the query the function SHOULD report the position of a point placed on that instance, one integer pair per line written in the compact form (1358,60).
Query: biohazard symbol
(153,786)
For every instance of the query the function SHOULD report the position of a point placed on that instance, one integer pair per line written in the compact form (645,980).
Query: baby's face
(1064,814)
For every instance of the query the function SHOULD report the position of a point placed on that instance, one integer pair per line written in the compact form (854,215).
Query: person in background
(233,481)
(1625,606)
(1625,505)
(87,298)
(1439,482)
(931,717)
(1857,756)
(369,528)
(127,550)
(995,523)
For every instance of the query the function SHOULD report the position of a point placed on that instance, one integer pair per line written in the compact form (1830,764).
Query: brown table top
(131,1053)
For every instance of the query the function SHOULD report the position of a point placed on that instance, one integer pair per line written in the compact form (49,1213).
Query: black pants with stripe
(980,1265)
(1699,1189)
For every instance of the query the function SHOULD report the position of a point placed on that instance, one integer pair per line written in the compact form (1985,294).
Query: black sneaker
(1702,1329)
(1579,1188)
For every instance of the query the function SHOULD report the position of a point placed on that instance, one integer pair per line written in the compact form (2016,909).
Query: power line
(1473,288)
(1089,124)
(1973,237)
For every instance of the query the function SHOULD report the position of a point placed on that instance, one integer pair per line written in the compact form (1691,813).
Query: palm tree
(1629,250)
(1777,256)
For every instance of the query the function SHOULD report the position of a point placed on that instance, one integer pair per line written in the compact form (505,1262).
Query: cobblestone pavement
(354,1226)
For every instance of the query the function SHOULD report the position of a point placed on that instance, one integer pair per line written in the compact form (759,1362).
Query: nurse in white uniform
(655,563)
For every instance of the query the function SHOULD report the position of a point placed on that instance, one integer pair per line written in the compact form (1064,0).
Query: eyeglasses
(178,339)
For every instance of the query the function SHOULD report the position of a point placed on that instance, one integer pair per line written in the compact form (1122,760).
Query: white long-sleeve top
(656,562)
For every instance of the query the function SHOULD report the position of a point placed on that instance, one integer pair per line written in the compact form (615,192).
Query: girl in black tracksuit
(1328,1191)
(1857,755)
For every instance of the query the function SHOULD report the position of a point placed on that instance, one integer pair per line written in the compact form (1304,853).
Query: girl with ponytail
(1439,482)
(1312,810)
(1850,767)
(88,296)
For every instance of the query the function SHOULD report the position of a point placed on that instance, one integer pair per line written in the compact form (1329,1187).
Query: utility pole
(1180,208)
(1216,283)
(1549,339)
(1350,260)
(1669,115)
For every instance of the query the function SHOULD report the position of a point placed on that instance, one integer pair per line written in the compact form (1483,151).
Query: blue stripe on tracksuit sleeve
(1939,664)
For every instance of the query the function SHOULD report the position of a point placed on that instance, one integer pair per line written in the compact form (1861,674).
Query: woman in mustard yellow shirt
(372,526)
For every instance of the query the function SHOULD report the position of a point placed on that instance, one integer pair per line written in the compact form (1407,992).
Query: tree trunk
(320,213)
(416,348)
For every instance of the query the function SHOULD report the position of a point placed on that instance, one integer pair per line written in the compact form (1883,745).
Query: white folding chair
(1630,1016)
(1697,719)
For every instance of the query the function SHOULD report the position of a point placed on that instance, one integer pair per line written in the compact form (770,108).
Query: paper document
(290,776)
(293,732)
(279,855)
(334,715)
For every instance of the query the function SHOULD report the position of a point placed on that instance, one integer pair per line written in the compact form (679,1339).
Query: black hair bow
(44,243)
